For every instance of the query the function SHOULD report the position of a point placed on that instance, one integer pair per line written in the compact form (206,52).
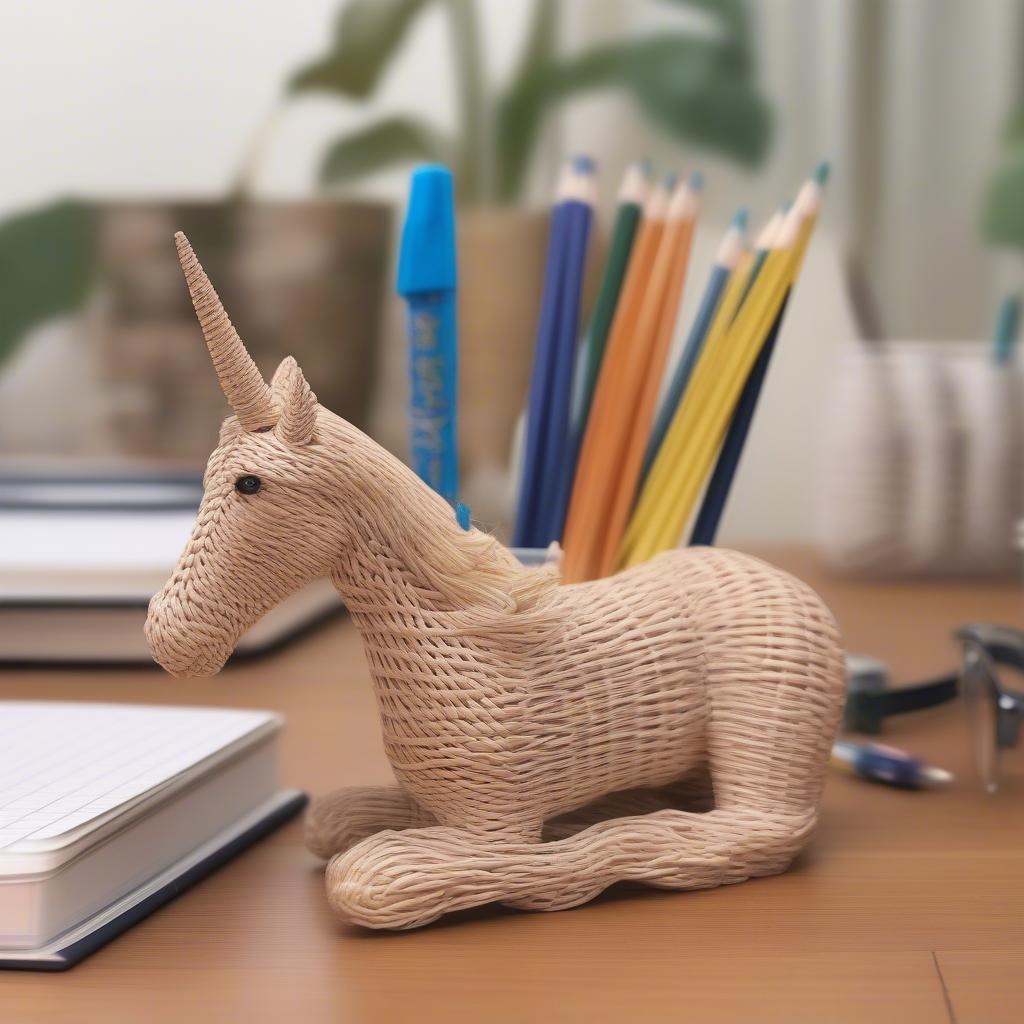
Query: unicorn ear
(297,421)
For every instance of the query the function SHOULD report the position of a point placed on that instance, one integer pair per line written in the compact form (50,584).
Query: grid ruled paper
(63,765)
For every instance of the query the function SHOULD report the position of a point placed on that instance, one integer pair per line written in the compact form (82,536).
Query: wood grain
(984,986)
(848,935)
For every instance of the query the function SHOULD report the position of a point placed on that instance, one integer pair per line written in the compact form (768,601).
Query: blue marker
(427,282)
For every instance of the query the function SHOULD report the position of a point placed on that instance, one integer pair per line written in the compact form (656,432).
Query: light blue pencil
(1007,327)
(728,255)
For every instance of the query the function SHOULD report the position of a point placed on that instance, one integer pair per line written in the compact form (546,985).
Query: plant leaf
(733,15)
(47,264)
(690,85)
(1004,203)
(367,36)
(396,140)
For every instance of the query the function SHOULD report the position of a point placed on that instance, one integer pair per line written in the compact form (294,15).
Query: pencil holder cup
(922,469)
(670,724)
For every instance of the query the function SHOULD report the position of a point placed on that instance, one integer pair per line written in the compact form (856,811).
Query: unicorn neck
(405,550)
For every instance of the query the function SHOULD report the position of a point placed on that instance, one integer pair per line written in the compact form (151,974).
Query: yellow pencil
(709,361)
(683,463)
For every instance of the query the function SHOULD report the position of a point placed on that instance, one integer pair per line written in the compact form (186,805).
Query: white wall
(160,98)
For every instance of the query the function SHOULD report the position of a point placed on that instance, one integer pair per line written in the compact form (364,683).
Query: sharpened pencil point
(584,164)
(669,181)
(696,181)
(821,172)
(739,220)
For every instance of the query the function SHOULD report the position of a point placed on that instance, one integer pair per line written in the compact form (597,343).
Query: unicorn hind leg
(775,684)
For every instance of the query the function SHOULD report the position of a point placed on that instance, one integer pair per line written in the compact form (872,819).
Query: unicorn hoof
(370,886)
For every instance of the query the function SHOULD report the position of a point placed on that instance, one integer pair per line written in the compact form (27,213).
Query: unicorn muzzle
(184,645)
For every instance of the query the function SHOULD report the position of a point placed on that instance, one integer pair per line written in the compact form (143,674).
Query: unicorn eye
(248,484)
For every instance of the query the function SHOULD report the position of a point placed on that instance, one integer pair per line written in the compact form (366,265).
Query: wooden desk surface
(908,907)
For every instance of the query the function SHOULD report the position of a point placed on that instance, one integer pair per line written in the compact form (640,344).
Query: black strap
(865,712)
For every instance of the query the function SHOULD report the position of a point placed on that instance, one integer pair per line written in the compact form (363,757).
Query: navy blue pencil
(559,460)
(524,534)
(706,526)
(590,354)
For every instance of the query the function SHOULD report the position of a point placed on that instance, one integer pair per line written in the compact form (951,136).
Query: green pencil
(632,193)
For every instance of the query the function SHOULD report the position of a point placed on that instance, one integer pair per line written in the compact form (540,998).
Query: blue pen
(427,282)
(887,764)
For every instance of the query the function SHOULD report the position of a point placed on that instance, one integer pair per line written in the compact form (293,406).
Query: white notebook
(105,806)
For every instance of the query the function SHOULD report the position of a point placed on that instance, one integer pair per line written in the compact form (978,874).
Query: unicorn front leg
(408,879)
(337,821)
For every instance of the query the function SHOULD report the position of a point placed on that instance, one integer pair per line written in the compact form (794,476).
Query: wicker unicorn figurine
(670,724)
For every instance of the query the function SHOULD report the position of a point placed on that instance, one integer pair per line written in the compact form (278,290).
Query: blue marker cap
(426,257)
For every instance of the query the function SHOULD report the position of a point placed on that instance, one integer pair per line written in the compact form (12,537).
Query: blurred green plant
(1004,201)
(699,86)
(46,267)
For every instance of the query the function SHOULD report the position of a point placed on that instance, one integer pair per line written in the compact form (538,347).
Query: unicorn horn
(240,379)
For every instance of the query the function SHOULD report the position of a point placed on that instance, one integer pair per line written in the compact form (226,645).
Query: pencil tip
(739,220)
(646,167)
(696,181)
(669,181)
(821,172)
(584,164)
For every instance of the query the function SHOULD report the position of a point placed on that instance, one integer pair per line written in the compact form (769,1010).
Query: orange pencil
(584,515)
(662,309)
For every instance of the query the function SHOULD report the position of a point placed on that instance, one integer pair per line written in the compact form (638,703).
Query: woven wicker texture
(670,724)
